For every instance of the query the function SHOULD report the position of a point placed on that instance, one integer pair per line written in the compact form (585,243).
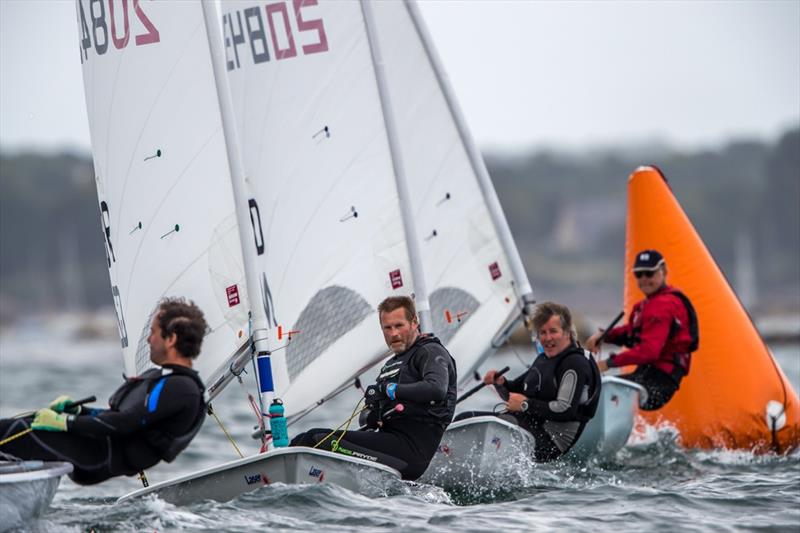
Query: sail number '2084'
(250,25)
(108,20)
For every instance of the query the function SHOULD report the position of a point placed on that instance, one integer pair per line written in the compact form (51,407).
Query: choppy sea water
(651,485)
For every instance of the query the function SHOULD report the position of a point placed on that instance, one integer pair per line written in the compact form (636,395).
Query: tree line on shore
(566,211)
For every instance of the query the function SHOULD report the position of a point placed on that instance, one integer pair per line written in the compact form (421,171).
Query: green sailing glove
(49,420)
(59,405)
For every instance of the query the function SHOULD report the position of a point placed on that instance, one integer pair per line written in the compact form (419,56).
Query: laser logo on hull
(317,473)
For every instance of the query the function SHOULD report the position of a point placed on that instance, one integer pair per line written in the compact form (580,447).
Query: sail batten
(314,149)
(467,265)
(164,196)
(401,179)
(522,285)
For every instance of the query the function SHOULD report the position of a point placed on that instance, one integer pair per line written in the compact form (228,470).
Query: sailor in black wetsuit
(558,394)
(151,417)
(422,377)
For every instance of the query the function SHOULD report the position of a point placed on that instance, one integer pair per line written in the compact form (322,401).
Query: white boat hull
(487,451)
(296,465)
(26,490)
(483,451)
(608,431)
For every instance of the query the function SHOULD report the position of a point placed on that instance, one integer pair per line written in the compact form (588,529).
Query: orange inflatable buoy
(735,395)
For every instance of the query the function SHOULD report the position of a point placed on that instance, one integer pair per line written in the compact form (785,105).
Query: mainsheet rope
(345,424)
(15,436)
(212,413)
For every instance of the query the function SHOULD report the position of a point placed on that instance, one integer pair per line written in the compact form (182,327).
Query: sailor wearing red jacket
(661,334)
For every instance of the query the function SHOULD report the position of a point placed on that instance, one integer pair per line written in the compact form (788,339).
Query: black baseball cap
(648,260)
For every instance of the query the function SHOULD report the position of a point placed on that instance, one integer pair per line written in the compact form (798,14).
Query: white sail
(162,175)
(326,214)
(468,272)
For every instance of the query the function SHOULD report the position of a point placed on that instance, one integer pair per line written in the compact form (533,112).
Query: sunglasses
(645,273)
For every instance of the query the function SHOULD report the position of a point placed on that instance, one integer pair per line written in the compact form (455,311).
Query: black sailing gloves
(379,393)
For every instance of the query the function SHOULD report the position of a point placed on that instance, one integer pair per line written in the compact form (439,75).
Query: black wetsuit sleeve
(434,363)
(179,396)
(574,374)
(514,385)
(91,410)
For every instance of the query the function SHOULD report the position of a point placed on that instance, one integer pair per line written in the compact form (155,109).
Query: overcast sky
(527,73)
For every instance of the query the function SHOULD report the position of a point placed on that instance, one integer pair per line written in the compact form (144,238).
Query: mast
(412,238)
(241,193)
(522,286)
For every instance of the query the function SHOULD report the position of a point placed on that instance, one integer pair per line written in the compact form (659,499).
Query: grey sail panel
(330,314)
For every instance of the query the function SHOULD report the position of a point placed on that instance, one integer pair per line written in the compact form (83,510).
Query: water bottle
(277,424)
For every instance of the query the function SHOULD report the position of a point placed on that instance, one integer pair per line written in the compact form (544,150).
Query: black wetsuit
(562,394)
(426,386)
(151,418)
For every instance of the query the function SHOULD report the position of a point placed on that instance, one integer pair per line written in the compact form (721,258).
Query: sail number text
(250,25)
(99,23)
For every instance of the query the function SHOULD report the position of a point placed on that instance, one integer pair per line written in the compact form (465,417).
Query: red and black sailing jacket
(658,333)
